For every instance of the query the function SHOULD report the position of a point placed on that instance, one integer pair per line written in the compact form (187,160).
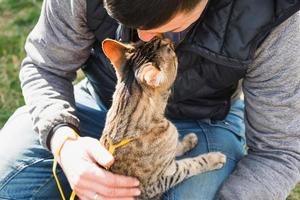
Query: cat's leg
(185,168)
(188,142)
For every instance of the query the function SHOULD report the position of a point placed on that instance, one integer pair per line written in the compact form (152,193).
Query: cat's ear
(115,52)
(152,75)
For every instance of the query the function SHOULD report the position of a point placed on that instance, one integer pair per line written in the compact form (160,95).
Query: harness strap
(112,147)
(56,156)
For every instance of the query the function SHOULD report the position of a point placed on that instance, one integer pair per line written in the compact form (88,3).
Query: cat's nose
(160,36)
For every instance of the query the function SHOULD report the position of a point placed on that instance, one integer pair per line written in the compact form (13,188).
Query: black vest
(213,57)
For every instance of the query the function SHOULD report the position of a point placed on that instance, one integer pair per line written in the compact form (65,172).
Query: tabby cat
(146,72)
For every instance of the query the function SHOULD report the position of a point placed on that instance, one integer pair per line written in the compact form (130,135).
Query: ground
(17,18)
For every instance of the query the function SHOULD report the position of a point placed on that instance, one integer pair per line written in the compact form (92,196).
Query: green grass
(17,18)
(295,195)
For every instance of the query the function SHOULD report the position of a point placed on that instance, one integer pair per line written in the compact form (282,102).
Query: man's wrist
(53,130)
(60,136)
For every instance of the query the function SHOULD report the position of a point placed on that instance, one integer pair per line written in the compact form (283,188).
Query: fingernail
(136,183)
(107,159)
(137,192)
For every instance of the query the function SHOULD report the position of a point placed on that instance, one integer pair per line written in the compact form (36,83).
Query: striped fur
(146,72)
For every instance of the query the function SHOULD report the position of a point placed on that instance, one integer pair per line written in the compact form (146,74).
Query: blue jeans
(25,167)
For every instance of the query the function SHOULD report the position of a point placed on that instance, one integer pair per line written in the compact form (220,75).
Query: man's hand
(80,160)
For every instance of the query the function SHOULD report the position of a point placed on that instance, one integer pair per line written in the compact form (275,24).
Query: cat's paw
(216,160)
(191,140)
(187,143)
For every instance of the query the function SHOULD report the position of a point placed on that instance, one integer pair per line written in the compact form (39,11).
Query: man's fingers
(99,153)
(105,159)
(106,191)
(116,192)
(104,177)
(87,195)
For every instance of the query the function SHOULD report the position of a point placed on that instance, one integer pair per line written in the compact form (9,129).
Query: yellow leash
(112,148)
(55,166)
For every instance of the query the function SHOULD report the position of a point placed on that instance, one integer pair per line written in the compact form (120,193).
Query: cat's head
(150,64)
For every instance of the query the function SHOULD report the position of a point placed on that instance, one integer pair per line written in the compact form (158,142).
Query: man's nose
(145,36)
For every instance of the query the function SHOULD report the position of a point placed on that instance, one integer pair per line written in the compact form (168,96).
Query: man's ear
(116,52)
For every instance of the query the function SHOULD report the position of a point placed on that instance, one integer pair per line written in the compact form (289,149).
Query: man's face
(178,23)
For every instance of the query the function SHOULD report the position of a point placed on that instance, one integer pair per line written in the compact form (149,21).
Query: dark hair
(146,14)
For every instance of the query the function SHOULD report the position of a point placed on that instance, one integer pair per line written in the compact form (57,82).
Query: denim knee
(21,157)
(226,136)
(203,186)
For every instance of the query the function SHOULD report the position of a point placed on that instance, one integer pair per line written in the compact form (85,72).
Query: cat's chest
(146,155)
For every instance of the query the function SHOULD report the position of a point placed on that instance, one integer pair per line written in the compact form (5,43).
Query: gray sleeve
(272,117)
(57,46)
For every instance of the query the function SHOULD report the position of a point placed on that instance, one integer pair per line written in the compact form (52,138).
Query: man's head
(153,17)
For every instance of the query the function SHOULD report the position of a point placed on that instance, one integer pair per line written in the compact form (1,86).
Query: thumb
(101,155)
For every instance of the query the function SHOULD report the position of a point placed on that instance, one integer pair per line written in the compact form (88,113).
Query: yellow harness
(112,148)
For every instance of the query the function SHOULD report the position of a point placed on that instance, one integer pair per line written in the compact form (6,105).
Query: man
(219,43)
